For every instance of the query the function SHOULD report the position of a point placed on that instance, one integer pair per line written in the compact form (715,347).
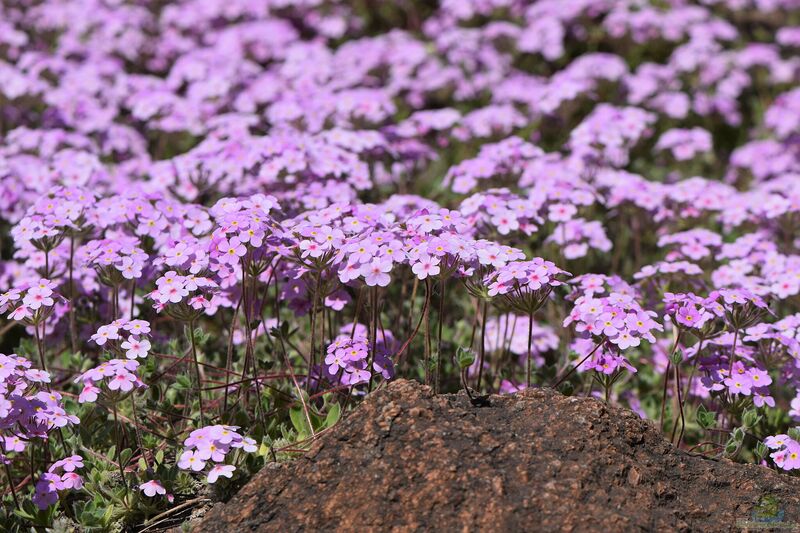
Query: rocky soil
(407,460)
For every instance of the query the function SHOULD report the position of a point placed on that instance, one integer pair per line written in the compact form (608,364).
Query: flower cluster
(183,296)
(211,444)
(60,476)
(348,357)
(128,337)
(685,144)
(691,311)
(115,260)
(606,311)
(117,375)
(525,285)
(28,408)
(31,303)
(786,452)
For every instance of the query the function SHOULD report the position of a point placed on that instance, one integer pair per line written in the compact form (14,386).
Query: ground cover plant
(223,223)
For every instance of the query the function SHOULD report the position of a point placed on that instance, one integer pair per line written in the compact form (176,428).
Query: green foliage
(465,357)
(706,419)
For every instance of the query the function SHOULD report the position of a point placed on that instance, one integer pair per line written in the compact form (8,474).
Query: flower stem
(733,351)
(374,335)
(197,373)
(483,343)
(10,480)
(229,358)
(530,340)
(427,347)
(680,406)
(443,285)
(117,437)
(73,327)
(137,432)
(666,379)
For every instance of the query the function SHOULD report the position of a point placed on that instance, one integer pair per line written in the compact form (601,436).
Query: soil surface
(407,460)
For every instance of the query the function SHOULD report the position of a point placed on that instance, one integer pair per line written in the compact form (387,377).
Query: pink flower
(625,340)
(220,470)
(36,300)
(690,316)
(177,255)
(20,313)
(137,327)
(191,460)
(71,480)
(561,212)
(492,255)
(311,248)
(37,376)
(791,458)
(123,381)
(426,266)
(43,287)
(376,272)
(88,394)
(505,222)
(135,348)
(759,378)
(776,442)
(738,385)
(68,464)
(14,444)
(152,488)
(231,250)
(105,333)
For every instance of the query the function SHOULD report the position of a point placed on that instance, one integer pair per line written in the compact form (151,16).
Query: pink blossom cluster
(31,302)
(28,408)
(605,310)
(349,356)
(211,444)
(786,452)
(117,375)
(128,337)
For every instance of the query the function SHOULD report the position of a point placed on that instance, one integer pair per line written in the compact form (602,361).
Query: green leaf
(750,418)
(705,418)
(125,456)
(731,447)
(761,450)
(25,516)
(465,357)
(183,381)
(333,415)
(299,422)
(108,515)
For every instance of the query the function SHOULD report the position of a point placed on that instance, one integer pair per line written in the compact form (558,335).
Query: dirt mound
(407,460)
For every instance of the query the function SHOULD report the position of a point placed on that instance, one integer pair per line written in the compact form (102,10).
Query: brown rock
(405,460)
